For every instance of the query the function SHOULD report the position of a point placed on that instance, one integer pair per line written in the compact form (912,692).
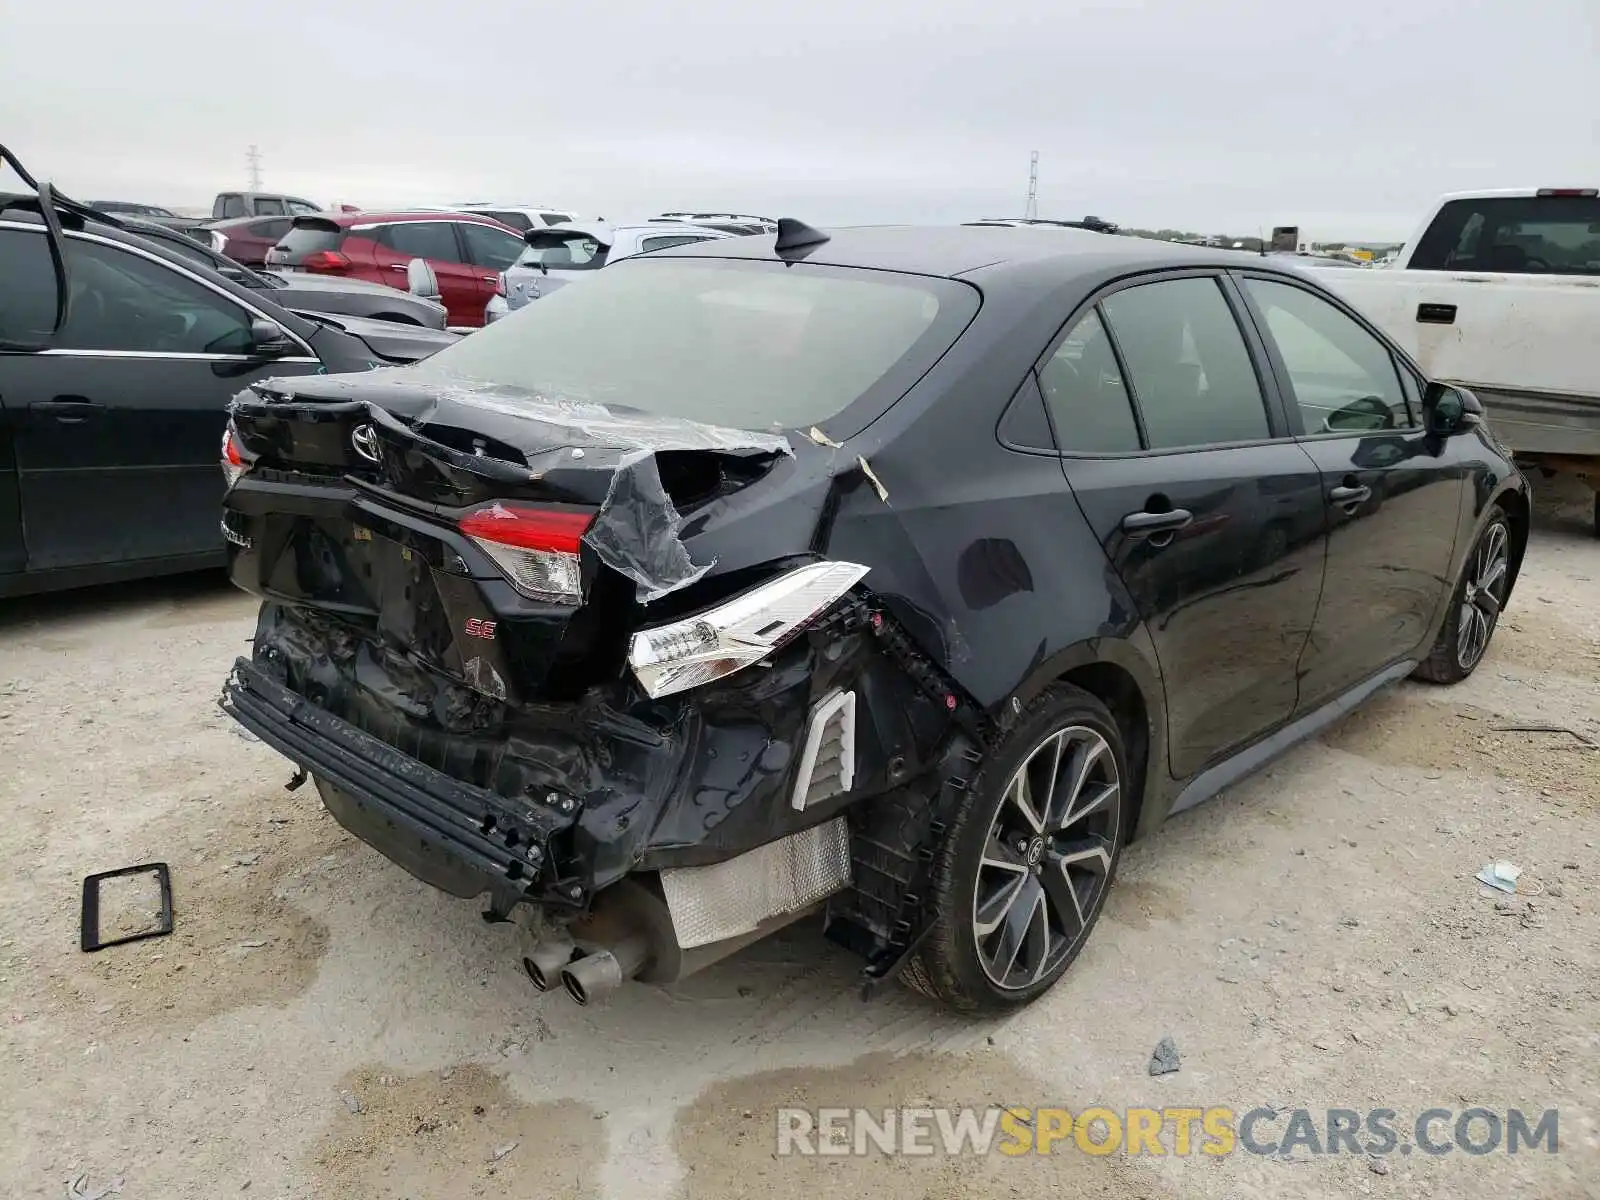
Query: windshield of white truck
(1517,235)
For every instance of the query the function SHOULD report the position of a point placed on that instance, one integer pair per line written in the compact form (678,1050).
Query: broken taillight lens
(234,463)
(740,632)
(536,548)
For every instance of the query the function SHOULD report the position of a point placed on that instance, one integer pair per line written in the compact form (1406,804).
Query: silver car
(564,254)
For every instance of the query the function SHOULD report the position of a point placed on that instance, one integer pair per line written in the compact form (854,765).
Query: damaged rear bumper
(460,838)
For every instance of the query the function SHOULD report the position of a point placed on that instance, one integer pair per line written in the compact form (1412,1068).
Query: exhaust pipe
(544,962)
(595,976)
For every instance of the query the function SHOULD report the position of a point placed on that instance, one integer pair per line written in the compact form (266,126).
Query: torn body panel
(384,612)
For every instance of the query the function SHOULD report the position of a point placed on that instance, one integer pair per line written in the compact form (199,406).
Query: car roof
(352,220)
(960,250)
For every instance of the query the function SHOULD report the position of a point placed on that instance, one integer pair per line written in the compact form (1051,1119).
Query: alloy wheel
(1047,858)
(1483,596)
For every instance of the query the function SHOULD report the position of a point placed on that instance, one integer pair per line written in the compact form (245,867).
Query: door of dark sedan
(118,416)
(1396,498)
(1177,448)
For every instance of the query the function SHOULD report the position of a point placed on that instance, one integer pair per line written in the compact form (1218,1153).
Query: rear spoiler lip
(315,222)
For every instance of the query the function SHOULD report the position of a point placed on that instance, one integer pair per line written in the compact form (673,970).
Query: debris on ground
(501,1151)
(1377,1166)
(1500,875)
(1165,1059)
(351,1101)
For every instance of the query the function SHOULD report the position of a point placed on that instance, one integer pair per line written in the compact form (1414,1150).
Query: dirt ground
(322,1025)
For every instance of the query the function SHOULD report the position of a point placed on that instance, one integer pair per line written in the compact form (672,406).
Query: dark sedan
(909,573)
(302,292)
(118,359)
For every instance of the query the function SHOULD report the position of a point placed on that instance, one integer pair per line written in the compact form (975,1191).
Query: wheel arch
(1518,507)
(1127,680)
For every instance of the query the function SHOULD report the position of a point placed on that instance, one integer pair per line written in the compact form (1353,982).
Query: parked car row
(120,350)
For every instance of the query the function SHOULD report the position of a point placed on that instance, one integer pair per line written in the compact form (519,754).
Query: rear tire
(1475,607)
(1023,873)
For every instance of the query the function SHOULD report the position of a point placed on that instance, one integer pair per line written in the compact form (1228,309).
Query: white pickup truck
(1500,291)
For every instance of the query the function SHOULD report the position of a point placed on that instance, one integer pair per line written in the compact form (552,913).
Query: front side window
(233,206)
(301,208)
(491,247)
(1188,364)
(563,251)
(1344,379)
(269,206)
(1083,389)
(432,240)
(124,301)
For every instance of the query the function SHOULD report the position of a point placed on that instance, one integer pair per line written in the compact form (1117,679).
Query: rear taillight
(329,262)
(234,463)
(537,548)
(500,286)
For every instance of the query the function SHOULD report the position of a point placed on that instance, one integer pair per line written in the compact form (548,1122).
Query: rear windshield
(755,345)
(302,240)
(1519,235)
(564,250)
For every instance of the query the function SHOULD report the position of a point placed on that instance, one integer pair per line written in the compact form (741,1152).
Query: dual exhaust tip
(587,978)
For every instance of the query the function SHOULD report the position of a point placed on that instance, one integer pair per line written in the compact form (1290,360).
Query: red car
(466,252)
(246,240)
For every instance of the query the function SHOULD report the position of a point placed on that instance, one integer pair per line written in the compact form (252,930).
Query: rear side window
(1344,379)
(556,218)
(755,345)
(300,208)
(661,243)
(269,206)
(1083,389)
(1518,235)
(28,299)
(435,240)
(564,251)
(1186,358)
(508,216)
(302,240)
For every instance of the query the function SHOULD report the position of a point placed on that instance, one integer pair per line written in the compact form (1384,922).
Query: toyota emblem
(365,440)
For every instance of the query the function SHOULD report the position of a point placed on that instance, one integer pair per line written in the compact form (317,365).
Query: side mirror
(268,339)
(420,280)
(1451,410)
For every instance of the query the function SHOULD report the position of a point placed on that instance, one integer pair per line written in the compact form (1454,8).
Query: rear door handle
(1149,524)
(67,410)
(397,266)
(1350,495)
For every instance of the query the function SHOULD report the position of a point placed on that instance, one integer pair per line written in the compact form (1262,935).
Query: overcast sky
(1229,115)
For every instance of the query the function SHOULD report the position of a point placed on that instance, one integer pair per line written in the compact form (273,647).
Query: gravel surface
(322,1025)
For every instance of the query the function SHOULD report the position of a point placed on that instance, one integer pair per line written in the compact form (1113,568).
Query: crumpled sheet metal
(637,529)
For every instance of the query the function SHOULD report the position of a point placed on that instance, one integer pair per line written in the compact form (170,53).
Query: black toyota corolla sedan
(903,573)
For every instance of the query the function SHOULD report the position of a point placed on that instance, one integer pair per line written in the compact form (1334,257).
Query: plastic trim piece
(89,928)
(841,705)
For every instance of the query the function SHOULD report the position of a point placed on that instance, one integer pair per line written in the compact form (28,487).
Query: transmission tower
(1031,209)
(253,157)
